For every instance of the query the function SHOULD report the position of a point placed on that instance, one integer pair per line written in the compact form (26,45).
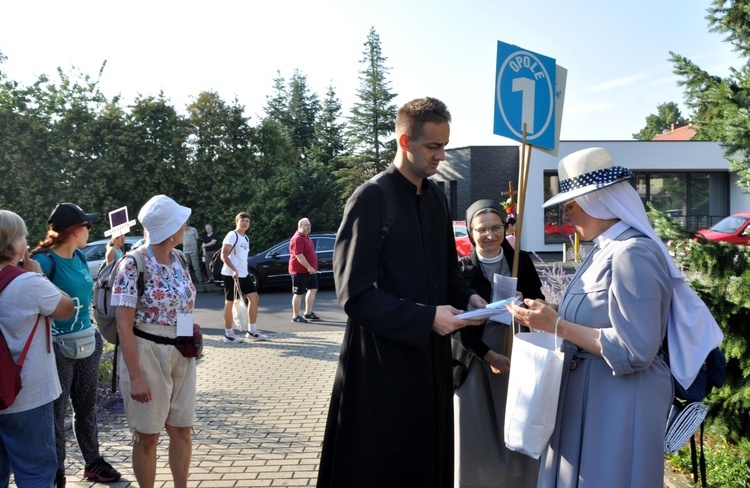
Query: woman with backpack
(77,343)
(27,429)
(158,383)
(616,387)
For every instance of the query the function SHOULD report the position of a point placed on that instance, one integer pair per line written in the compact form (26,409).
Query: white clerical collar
(494,259)
(610,234)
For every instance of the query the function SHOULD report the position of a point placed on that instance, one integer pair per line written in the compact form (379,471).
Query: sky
(616,53)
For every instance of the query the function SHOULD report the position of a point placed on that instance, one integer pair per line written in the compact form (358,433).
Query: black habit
(390,422)
(467,342)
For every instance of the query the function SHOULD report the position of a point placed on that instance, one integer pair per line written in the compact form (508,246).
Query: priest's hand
(445,320)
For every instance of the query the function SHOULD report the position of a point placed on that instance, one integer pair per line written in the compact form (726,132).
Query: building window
(696,200)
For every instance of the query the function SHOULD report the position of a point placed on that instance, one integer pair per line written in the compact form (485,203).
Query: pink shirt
(301,244)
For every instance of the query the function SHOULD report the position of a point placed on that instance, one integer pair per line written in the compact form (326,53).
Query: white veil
(692,331)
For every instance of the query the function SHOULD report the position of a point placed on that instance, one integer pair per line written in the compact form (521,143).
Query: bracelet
(557,322)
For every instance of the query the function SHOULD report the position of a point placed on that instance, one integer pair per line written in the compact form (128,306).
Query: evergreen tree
(720,273)
(278,102)
(667,115)
(719,105)
(220,177)
(302,112)
(328,139)
(321,201)
(372,121)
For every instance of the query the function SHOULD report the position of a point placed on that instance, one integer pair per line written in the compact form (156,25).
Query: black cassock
(390,421)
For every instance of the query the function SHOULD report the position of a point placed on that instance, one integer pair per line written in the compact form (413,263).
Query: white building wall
(636,155)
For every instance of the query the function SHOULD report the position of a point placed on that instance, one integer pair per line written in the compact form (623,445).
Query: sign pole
(523,178)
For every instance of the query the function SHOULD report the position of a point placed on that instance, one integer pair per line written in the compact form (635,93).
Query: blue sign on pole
(525,93)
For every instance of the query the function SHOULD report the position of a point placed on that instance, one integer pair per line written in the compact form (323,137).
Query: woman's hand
(538,315)
(475,302)
(139,390)
(499,364)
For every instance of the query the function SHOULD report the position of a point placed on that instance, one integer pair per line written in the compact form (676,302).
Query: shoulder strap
(26,346)
(181,258)
(52,265)
(140,266)
(8,274)
(388,214)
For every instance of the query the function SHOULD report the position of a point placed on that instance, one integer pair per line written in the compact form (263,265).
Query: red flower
(157,294)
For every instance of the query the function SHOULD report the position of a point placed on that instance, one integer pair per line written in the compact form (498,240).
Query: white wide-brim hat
(586,171)
(162,217)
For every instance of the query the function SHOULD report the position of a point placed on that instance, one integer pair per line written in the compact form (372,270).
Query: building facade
(690,180)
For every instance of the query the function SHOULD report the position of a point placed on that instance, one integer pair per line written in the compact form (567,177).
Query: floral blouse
(168,290)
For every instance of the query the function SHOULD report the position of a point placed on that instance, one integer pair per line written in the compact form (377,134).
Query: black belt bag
(190,347)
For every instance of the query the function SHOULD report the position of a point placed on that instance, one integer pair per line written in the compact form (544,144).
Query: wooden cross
(510,192)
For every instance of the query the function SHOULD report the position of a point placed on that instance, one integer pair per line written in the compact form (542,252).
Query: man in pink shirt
(303,268)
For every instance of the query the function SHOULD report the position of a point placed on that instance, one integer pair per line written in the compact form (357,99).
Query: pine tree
(372,121)
(720,105)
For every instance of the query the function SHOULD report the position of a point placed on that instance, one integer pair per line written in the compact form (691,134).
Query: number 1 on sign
(527,87)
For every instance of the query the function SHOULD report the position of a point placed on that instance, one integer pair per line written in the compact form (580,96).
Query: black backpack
(216,263)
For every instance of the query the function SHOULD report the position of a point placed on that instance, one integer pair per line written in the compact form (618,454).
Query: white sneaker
(256,336)
(233,338)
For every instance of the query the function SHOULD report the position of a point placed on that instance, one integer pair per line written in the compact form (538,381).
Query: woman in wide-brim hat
(158,384)
(617,390)
(480,378)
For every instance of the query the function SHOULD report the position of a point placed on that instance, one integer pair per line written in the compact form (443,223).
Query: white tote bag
(239,309)
(533,391)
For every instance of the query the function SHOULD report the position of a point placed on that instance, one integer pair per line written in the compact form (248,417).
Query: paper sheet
(503,286)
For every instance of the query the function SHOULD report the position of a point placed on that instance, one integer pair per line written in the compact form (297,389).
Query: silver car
(96,251)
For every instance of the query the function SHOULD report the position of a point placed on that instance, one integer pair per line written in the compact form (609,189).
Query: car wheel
(255,277)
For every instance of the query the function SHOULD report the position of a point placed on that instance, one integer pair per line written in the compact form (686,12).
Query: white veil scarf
(692,331)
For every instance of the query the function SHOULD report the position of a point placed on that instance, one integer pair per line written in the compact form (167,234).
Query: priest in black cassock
(390,422)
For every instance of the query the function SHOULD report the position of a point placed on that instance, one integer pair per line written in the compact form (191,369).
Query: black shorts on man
(301,282)
(247,285)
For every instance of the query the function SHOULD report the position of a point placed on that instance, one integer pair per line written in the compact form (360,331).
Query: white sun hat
(586,171)
(162,217)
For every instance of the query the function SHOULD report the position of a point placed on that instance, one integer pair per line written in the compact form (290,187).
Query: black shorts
(247,286)
(302,282)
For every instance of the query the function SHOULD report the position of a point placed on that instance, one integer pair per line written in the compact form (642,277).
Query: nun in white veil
(613,317)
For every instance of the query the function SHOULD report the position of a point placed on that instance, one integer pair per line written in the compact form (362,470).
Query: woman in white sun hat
(157,382)
(616,389)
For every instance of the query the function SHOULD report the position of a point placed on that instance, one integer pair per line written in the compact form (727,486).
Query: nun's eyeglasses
(566,206)
(495,230)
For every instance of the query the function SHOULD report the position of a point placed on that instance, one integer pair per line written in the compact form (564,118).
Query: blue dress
(613,410)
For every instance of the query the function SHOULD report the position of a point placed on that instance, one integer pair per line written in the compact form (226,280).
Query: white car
(95,252)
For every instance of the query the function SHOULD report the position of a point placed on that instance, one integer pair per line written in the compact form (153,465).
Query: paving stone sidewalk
(261,413)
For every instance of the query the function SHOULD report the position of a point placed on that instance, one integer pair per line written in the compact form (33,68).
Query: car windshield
(460,230)
(729,225)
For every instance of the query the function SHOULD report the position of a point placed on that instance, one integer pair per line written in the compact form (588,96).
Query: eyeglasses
(566,206)
(88,225)
(495,229)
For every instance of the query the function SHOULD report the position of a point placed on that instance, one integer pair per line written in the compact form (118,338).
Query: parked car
(461,234)
(270,268)
(95,252)
(563,229)
(734,229)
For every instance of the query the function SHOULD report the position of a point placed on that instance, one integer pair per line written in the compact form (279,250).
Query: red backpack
(10,371)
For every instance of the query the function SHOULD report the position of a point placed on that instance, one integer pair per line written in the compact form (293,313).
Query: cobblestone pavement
(261,412)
